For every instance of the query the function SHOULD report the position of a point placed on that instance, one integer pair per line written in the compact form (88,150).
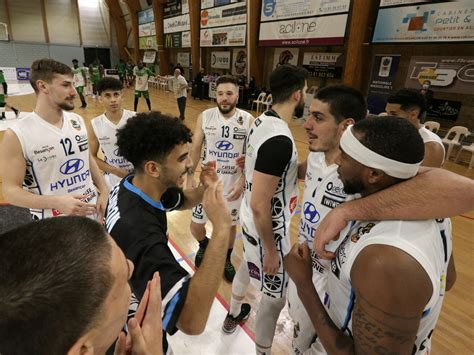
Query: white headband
(351,146)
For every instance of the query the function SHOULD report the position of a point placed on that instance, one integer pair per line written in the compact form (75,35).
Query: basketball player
(270,199)
(386,285)
(3,95)
(411,105)
(158,147)
(46,266)
(333,109)
(141,74)
(51,146)
(223,130)
(96,72)
(103,128)
(80,81)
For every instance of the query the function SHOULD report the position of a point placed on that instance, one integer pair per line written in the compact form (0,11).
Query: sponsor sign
(148,42)
(220,60)
(230,36)
(205,4)
(239,61)
(183,59)
(323,65)
(445,22)
(285,56)
(176,24)
(326,30)
(385,3)
(23,73)
(148,57)
(446,74)
(444,109)
(232,14)
(287,9)
(147,29)
(384,72)
(146,16)
(178,40)
(175,7)
(9,73)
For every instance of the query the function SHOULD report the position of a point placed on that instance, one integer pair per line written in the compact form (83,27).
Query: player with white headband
(386,285)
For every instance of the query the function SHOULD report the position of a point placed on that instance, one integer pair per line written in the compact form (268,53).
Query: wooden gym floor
(454,333)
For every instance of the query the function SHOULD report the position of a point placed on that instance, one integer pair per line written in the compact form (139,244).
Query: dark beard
(224,112)
(353,187)
(66,107)
(299,110)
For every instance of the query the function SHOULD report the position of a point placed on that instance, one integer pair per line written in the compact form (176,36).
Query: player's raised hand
(216,206)
(208,173)
(298,264)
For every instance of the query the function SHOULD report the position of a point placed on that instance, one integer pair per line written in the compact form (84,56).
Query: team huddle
(369,271)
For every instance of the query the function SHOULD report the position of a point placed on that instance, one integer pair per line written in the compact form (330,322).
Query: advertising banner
(287,9)
(148,43)
(183,59)
(174,8)
(220,60)
(205,4)
(230,36)
(23,73)
(385,3)
(326,30)
(149,57)
(445,74)
(285,56)
(443,22)
(323,65)
(147,29)
(444,109)
(178,40)
(176,24)
(9,73)
(384,72)
(146,16)
(239,61)
(232,14)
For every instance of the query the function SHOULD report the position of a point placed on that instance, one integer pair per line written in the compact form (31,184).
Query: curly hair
(108,83)
(392,138)
(151,136)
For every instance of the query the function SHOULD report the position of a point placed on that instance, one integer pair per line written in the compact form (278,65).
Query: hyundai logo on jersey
(72,166)
(224,145)
(116,152)
(310,213)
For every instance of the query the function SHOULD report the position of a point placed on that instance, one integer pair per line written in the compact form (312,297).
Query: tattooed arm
(391,291)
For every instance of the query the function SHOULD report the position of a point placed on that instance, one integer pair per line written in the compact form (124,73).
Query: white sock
(239,288)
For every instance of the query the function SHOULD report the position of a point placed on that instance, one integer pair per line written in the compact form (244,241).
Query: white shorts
(303,332)
(271,285)
(199,216)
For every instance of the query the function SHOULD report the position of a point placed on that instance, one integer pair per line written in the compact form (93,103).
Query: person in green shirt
(121,68)
(96,71)
(141,74)
(3,96)
(80,81)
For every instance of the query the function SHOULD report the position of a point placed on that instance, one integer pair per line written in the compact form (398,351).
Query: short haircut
(227,79)
(55,276)
(343,101)
(409,99)
(285,80)
(392,138)
(75,61)
(151,136)
(46,69)
(108,83)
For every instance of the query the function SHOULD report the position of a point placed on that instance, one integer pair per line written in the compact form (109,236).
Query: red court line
(461,215)
(218,296)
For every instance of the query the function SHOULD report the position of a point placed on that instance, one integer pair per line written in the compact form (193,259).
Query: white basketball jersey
(423,240)
(106,131)
(224,142)
(285,198)
(78,77)
(429,136)
(57,159)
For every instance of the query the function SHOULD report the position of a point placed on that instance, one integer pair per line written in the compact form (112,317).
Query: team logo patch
(224,145)
(310,213)
(293,203)
(272,282)
(75,124)
(233,213)
(240,120)
(254,271)
(72,166)
(55,212)
(361,231)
